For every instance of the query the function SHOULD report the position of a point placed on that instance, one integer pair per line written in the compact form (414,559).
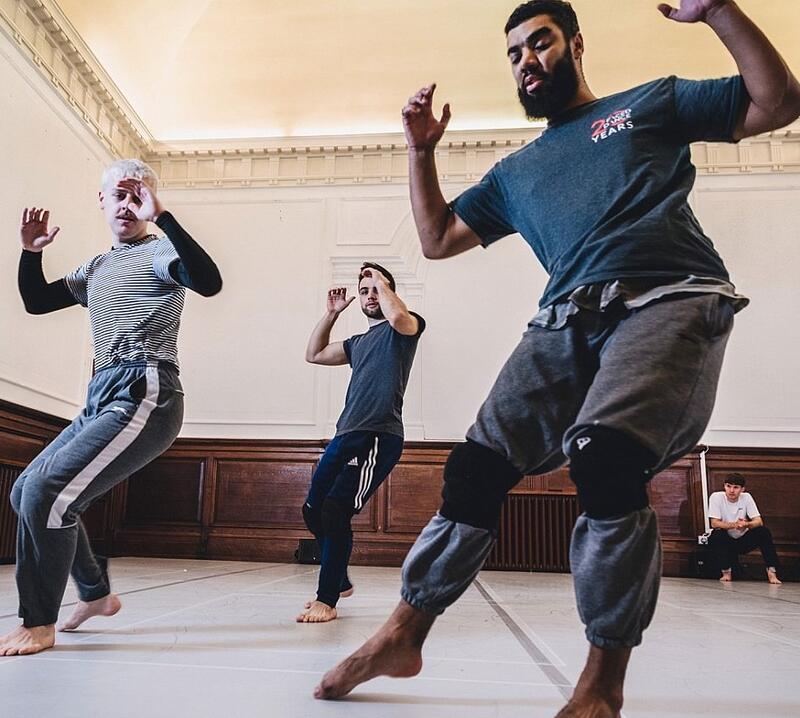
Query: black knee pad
(336,518)
(611,471)
(476,481)
(313,518)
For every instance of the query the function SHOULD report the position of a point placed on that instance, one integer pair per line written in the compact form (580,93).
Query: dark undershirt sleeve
(194,269)
(38,296)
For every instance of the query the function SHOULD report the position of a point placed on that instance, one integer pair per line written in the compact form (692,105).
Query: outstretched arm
(194,269)
(774,92)
(39,296)
(441,232)
(320,350)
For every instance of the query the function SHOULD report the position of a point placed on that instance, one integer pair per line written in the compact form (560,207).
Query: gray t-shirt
(381,360)
(602,194)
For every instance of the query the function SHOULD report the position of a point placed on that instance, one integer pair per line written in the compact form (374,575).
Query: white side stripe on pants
(117,445)
(365,479)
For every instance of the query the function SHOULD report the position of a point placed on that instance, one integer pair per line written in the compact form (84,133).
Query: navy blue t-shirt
(381,360)
(602,193)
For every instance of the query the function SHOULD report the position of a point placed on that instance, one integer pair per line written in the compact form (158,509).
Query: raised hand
(33,229)
(423,130)
(146,205)
(337,300)
(375,274)
(691,10)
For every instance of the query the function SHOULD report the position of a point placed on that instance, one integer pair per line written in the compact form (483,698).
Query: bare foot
(772,577)
(599,690)
(395,650)
(25,641)
(344,594)
(583,709)
(726,576)
(317,612)
(106,606)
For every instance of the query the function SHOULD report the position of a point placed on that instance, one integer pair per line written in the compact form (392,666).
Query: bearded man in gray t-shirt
(618,370)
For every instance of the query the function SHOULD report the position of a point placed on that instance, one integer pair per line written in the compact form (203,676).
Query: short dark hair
(385,272)
(736,479)
(562,13)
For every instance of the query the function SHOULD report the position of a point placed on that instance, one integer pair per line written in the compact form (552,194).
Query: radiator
(8,519)
(534,534)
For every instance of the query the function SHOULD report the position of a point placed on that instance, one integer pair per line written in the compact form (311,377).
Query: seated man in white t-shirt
(738,528)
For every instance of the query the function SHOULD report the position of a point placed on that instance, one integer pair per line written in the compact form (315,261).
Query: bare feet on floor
(317,612)
(599,690)
(772,577)
(726,576)
(588,709)
(106,606)
(395,650)
(25,641)
(344,594)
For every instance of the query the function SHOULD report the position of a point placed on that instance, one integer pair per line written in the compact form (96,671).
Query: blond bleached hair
(129,168)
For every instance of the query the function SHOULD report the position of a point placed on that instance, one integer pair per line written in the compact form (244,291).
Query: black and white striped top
(134,303)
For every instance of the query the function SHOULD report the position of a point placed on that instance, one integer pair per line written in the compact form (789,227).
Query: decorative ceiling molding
(382,159)
(344,160)
(45,36)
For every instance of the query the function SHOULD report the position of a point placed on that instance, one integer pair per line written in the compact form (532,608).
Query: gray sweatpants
(650,373)
(133,413)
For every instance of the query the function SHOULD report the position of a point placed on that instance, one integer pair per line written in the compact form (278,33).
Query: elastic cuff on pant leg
(609,644)
(420,605)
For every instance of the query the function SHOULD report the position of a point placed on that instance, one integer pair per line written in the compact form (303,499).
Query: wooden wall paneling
(241,499)
(8,519)
(676,497)
(208,501)
(254,506)
(413,496)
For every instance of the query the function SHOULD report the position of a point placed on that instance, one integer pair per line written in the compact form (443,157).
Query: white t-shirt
(743,508)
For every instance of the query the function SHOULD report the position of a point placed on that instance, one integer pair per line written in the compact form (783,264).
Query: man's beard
(376,313)
(557,90)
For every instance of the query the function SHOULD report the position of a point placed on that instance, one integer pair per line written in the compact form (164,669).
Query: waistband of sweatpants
(144,364)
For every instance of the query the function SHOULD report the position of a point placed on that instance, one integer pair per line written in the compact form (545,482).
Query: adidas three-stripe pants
(353,466)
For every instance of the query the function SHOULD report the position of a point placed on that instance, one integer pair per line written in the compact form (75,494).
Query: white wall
(49,160)
(280,249)
(753,221)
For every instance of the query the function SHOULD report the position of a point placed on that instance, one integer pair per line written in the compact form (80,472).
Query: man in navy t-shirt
(369,433)
(618,369)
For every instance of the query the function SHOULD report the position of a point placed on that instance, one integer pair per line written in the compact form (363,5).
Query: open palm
(33,231)
(691,10)
(337,300)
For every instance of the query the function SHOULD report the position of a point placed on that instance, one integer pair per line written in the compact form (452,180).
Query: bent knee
(610,470)
(336,518)
(476,481)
